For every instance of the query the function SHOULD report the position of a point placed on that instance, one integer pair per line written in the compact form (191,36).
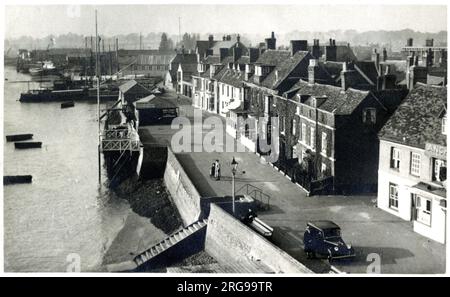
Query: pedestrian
(213,170)
(217,172)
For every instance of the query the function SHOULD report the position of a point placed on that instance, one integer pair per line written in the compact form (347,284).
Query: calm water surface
(64,210)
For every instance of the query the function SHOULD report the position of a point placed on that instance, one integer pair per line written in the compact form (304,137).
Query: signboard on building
(435,150)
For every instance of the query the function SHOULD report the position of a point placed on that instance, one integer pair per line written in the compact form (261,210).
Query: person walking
(217,170)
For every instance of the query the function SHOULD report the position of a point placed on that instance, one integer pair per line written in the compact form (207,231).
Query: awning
(439,192)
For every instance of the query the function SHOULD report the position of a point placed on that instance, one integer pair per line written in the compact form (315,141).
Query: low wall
(227,238)
(183,192)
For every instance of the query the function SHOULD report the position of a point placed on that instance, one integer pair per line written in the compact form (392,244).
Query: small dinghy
(18,137)
(17,179)
(28,144)
(67,104)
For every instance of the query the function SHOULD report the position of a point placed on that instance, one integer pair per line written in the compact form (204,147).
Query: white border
(210,2)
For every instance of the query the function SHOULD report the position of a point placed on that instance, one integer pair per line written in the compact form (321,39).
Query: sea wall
(184,194)
(227,239)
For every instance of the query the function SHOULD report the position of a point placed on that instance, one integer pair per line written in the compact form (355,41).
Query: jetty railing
(120,140)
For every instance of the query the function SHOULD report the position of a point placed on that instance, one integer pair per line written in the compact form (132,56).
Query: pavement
(383,242)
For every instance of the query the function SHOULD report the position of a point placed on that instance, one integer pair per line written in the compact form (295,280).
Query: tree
(166,43)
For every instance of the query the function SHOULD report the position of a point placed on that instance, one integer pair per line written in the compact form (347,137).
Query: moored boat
(17,179)
(28,144)
(18,137)
(67,104)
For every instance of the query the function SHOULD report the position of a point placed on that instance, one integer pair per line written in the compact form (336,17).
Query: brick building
(413,161)
(328,137)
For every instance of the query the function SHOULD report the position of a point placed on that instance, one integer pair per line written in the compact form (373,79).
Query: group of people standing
(215,170)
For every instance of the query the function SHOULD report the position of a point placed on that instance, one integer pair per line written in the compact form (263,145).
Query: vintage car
(323,239)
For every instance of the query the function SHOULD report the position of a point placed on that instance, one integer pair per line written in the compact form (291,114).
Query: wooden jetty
(17,179)
(28,144)
(18,137)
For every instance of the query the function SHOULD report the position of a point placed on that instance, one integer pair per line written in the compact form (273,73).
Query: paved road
(369,229)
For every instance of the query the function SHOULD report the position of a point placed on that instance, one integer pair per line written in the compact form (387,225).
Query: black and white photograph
(224,138)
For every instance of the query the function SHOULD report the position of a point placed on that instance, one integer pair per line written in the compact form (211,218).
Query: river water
(64,215)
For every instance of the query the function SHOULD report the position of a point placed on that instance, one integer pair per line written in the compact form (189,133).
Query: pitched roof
(189,68)
(243,60)
(211,59)
(154,59)
(232,77)
(283,69)
(304,88)
(125,87)
(369,69)
(344,54)
(220,73)
(202,46)
(226,44)
(185,59)
(273,57)
(418,119)
(333,69)
(154,101)
(136,52)
(338,101)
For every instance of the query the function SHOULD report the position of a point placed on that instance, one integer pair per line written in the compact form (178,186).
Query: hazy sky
(39,21)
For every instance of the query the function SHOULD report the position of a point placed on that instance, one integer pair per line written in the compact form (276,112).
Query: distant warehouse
(155,109)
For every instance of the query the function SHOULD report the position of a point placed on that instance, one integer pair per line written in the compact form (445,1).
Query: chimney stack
(316,49)
(409,42)
(376,59)
(210,41)
(298,45)
(331,51)
(271,43)
(253,54)
(238,38)
(312,70)
(348,77)
(212,70)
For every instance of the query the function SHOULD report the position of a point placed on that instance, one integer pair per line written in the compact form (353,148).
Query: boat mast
(98,96)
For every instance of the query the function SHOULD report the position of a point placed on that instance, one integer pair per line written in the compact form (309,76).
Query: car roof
(323,225)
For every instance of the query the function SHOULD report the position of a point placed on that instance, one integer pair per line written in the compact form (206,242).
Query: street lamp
(234,166)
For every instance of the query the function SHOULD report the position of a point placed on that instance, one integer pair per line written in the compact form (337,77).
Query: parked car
(323,239)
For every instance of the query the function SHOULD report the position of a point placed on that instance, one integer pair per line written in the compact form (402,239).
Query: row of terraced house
(344,126)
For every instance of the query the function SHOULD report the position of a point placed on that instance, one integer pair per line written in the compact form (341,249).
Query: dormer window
(258,70)
(369,116)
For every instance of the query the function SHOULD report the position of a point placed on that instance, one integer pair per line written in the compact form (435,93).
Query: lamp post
(234,166)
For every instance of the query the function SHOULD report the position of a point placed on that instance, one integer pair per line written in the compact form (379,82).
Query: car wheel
(309,255)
